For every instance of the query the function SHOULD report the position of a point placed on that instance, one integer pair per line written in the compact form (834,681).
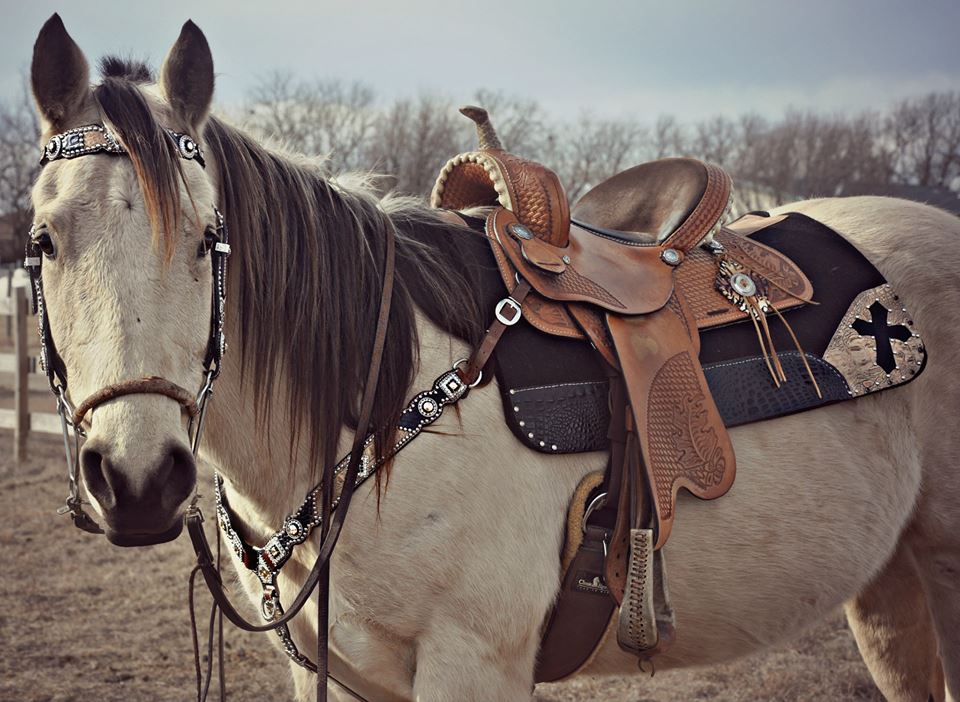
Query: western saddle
(633,270)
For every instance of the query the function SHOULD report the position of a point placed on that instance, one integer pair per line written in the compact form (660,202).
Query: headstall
(82,141)
(325,506)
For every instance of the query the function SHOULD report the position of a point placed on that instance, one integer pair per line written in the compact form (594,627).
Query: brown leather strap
(470,373)
(356,454)
(150,385)
(581,613)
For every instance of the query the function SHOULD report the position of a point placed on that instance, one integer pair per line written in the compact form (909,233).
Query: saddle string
(774,356)
(803,354)
(763,347)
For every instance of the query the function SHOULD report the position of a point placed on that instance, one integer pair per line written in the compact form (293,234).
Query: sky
(609,58)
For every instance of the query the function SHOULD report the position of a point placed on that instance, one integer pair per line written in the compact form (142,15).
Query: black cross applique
(878,329)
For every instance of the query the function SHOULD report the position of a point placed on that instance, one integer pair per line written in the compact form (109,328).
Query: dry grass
(83,621)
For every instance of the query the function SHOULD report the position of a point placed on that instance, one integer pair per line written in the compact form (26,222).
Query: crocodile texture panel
(563,418)
(744,391)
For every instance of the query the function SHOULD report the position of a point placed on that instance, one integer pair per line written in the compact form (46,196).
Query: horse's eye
(210,239)
(44,242)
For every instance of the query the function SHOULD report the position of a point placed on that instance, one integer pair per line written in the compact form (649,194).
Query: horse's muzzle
(140,509)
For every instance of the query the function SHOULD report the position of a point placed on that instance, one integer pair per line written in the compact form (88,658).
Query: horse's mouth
(140,538)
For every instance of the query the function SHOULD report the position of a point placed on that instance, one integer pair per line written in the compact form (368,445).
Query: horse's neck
(263,483)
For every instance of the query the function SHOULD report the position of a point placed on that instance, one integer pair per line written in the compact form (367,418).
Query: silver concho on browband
(96,138)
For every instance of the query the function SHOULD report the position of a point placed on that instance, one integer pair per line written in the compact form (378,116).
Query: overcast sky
(614,58)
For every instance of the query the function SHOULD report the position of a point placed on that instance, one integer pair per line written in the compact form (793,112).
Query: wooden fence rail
(24,369)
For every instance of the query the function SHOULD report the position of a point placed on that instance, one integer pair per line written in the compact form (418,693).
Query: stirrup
(637,627)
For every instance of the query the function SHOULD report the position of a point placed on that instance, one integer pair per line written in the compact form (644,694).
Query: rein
(326,505)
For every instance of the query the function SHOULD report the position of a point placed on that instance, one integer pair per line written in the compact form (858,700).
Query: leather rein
(326,506)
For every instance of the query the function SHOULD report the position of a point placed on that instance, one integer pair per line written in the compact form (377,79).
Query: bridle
(94,139)
(326,505)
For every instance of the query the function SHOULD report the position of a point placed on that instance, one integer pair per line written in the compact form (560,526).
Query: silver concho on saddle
(700,325)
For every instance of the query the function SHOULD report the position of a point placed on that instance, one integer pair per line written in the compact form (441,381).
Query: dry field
(83,621)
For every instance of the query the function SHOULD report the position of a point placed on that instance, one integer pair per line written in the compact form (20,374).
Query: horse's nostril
(96,473)
(175,477)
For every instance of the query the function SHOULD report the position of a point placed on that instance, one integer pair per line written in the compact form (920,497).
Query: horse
(448,563)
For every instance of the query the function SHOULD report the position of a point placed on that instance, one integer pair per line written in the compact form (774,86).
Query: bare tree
(413,138)
(667,138)
(19,164)
(322,117)
(925,134)
(591,150)
(803,154)
(716,140)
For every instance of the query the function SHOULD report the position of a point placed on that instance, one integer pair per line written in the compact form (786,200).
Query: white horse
(441,584)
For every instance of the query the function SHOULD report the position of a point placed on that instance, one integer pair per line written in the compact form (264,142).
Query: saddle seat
(644,204)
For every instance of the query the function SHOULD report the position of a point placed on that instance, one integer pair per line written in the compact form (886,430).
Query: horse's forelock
(153,154)
(129,69)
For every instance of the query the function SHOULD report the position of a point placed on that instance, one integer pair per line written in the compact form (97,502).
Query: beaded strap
(266,561)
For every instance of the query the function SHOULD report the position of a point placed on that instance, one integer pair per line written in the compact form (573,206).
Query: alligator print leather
(562,418)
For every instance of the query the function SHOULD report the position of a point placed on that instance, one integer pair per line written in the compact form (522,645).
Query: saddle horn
(486,134)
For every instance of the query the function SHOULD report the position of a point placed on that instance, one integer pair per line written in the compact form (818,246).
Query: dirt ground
(83,621)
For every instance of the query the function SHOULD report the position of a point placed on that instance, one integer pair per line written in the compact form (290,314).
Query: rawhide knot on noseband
(96,138)
(150,385)
(84,141)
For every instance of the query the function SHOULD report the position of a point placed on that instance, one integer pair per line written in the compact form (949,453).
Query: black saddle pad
(859,339)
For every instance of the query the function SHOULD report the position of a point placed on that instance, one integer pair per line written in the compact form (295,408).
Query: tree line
(805,153)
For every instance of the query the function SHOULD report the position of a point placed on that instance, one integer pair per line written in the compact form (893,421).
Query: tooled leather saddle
(641,269)
(628,275)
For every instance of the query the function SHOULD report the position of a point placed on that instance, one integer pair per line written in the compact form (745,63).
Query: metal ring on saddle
(595,504)
(460,362)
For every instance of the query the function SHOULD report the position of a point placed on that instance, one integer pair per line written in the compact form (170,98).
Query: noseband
(83,141)
(140,386)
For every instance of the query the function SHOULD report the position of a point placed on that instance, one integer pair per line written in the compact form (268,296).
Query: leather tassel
(803,355)
(763,349)
(762,315)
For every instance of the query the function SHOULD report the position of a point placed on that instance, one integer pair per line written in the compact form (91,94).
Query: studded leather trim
(96,138)
(267,560)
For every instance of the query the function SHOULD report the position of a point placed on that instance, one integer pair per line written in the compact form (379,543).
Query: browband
(96,138)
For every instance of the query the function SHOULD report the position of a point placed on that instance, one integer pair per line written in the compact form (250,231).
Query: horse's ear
(187,75)
(59,74)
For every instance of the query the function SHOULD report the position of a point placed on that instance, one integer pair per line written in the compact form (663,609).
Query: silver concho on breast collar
(96,138)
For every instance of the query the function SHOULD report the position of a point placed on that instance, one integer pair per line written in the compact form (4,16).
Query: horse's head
(126,270)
